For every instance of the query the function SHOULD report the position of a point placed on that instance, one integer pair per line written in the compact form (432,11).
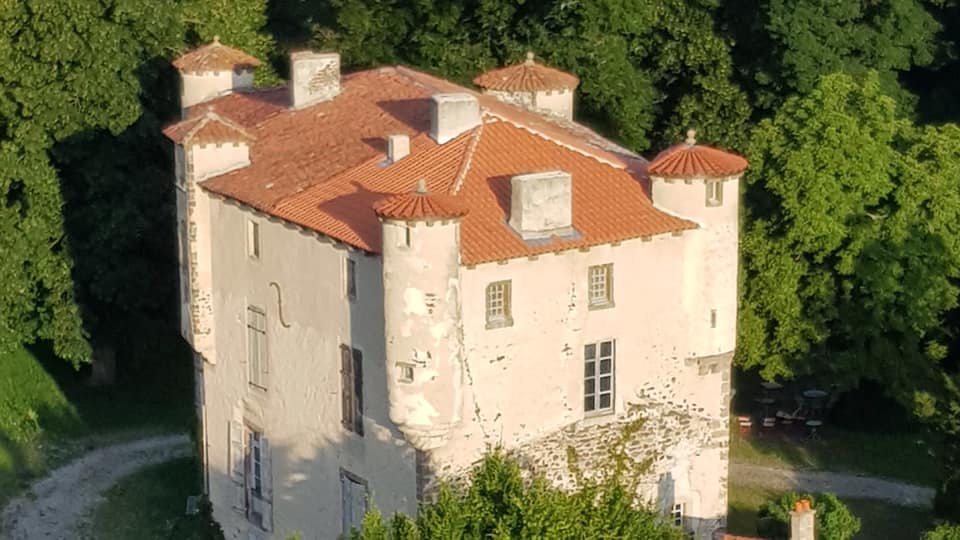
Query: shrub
(499,503)
(834,519)
(945,531)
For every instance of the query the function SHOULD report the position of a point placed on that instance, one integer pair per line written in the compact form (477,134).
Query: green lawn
(150,505)
(901,456)
(880,520)
(48,416)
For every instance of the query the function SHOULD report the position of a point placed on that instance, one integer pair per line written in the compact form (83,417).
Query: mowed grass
(151,504)
(900,456)
(49,416)
(879,520)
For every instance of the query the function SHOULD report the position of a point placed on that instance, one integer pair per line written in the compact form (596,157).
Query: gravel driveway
(840,484)
(57,506)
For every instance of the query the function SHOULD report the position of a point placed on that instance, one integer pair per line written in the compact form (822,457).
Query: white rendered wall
(199,87)
(300,412)
(525,382)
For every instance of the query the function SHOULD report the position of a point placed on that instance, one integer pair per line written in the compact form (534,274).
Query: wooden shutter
(358,391)
(346,386)
(236,446)
(236,458)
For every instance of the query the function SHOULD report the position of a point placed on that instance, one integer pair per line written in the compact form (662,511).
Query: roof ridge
(467,159)
(543,135)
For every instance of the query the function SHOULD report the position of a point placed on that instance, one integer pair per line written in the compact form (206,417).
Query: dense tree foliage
(850,248)
(649,69)
(945,531)
(498,503)
(785,47)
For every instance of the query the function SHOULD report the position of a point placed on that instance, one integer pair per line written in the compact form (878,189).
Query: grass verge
(900,456)
(150,505)
(48,415)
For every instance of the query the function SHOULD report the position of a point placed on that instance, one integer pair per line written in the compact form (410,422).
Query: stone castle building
(385,274)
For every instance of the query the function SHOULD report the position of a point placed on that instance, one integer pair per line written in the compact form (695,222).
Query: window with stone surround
(351,388)
(598,374)
(353,496)
(498,304)
(677,514)
(714,193)
(256,347)
(600,286)
(253,239)
(351,279)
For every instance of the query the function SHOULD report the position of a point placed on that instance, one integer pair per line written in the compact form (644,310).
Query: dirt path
(840,484)
(56,506)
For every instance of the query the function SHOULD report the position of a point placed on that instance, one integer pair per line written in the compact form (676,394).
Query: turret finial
(216,39)
(529,57)
(422,186)
(691,137)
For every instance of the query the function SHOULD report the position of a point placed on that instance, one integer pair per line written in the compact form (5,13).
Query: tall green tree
(850,246)
(649,69)
(784,47)
(66,68)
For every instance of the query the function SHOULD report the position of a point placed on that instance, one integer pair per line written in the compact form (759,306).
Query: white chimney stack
(452,115)
(314,77)
(541,204)
(803,521)
(398,147)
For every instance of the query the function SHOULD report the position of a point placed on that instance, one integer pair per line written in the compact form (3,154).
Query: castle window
(404,235)
(353,494)
(253,239)
(405,372)
(600,285)
(256,347)
(677,514)
(713,318)
(351,279)
(351,388)
(598,377)
(498,304)
(714,193)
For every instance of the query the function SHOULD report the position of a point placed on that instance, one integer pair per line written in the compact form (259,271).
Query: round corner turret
(422,310)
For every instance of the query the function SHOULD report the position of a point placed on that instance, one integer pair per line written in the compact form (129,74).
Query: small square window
(351,279)
(600,286)
(714,193)
(253,239)
(405,372)
(498,304)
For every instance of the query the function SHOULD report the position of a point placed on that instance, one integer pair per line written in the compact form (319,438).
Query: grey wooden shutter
(358,391)
(346,386)
(236,460)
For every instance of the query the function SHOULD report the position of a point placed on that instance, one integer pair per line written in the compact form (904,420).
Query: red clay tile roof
(206,129)
(215,56)
(689,160)
(421,205)
(526,76)
(325,168)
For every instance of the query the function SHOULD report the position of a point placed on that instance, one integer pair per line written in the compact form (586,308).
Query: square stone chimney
(453,114)
(398,147)
(541,204)
(314,77)
(803,521)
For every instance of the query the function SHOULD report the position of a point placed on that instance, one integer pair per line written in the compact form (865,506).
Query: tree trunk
(104,365)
